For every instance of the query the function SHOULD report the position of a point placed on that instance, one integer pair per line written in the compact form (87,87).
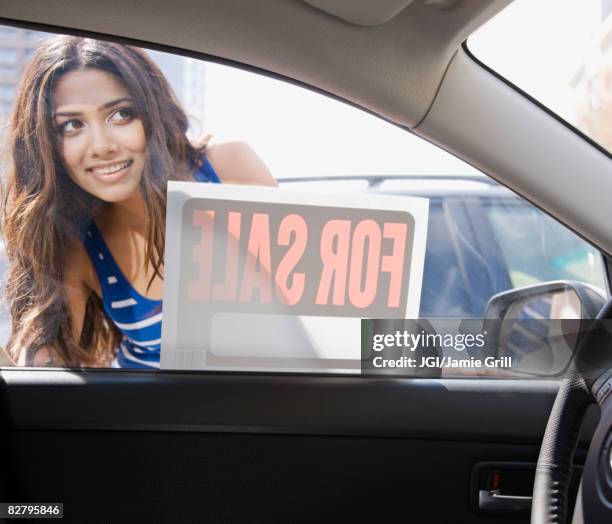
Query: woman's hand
(237,163)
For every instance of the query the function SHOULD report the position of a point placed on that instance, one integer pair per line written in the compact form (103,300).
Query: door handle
(494,500)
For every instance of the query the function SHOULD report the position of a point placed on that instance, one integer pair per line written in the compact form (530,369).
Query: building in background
(16,48)
(592,83)
(187,77)
(194,93)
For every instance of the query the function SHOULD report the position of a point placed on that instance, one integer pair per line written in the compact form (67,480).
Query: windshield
(560,53)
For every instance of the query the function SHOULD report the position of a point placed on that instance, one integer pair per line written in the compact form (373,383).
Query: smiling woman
(102,144)
(96,134)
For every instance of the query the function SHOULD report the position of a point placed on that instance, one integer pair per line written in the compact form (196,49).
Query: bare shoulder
(236,162)
(77,279)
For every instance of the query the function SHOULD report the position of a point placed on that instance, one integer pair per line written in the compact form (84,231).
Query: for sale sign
(250,252)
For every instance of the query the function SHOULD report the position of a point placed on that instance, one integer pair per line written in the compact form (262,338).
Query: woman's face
(102,143)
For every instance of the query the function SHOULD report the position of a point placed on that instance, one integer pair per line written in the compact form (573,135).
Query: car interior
(117,445)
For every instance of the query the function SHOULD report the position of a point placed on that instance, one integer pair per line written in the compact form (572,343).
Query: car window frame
(276,76)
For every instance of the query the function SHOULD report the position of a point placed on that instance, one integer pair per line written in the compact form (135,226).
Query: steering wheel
(588,381)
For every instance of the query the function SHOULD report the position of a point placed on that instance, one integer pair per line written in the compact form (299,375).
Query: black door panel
(512,411)
(181,447)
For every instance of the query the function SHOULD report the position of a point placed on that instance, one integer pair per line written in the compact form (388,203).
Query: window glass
(394,227)
(7,31)
(555,252)
(558,52)
(8,55)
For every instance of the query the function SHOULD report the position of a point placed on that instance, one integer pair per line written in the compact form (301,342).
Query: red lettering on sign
(351,261)
(258,254)
(394,263)
(291,225)
(335,261)
(227,289)
(202,255)
(365,230)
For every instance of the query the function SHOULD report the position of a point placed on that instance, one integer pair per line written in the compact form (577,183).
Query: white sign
(261,278)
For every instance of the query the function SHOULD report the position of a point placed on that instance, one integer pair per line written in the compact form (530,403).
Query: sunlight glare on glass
(302,133)
(557,52)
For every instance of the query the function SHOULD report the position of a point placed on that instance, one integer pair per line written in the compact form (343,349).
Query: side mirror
(540,326)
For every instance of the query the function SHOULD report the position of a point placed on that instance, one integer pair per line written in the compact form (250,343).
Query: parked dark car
(482,239)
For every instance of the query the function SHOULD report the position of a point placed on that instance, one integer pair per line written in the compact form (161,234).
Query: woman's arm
(79,280)
(237,163)
(77,288)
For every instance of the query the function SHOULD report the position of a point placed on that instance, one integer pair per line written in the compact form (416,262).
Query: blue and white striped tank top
(137,317)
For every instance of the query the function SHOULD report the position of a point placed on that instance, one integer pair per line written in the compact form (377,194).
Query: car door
(191,445)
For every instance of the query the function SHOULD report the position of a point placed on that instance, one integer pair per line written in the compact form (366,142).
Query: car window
(555,252)
(94,162)
(563,58)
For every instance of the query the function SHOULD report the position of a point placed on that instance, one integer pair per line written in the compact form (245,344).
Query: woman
(96,133)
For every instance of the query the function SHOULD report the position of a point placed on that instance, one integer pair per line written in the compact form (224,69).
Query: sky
(540,45)
(302,133)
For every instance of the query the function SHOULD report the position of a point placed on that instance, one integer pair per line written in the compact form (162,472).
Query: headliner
(393,69)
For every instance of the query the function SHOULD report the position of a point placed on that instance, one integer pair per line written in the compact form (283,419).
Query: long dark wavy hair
(44,212)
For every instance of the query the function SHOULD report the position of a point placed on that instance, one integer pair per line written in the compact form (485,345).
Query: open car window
(291,217)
